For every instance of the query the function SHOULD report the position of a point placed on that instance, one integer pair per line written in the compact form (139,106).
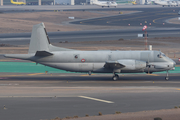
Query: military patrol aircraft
(104,3)
(42,52)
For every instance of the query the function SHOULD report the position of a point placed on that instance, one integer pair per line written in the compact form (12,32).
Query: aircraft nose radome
(174,63)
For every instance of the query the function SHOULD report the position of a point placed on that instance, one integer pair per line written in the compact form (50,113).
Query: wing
(114,65)
(126,64)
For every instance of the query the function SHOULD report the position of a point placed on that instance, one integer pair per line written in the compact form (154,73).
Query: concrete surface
(42,96)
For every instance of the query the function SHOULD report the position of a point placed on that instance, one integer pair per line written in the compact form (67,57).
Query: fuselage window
(164,55)
(76,56)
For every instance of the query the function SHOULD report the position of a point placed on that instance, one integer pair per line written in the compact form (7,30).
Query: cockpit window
(160,55)
(163,55)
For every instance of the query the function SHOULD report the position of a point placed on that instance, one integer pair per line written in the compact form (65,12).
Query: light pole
(145,36)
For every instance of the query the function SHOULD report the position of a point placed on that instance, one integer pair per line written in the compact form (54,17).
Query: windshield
(163,54)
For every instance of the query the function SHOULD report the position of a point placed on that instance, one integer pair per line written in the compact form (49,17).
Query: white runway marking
(96,99)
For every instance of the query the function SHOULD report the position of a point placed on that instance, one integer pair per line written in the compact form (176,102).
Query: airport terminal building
(40,2)
(51,2)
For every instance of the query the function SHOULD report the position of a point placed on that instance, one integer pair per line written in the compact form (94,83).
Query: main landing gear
(167,77)
(115,77)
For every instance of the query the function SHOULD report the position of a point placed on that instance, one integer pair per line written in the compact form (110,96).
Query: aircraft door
(109,57)
(147,56)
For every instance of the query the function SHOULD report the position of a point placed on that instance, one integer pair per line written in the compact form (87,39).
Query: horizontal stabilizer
(43,53)
(19,56)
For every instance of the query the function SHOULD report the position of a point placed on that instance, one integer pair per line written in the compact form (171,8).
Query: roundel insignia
(83,60)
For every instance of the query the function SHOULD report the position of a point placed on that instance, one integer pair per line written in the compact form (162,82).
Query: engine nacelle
(140,64)
(160,66)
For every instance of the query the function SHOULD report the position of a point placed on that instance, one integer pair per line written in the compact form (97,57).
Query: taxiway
(46,96)
(132,26)
(99,35)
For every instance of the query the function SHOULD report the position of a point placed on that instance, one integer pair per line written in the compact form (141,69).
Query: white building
(65,2)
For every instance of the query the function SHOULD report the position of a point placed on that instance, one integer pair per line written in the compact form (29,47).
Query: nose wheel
(115,77)
(167,76)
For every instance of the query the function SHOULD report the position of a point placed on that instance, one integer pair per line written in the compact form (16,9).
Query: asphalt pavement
(146,16)
(37,97)
(155,16)
(97,35)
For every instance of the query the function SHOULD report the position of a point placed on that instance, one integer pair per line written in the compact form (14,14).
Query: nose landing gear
(115,77)
(167,77)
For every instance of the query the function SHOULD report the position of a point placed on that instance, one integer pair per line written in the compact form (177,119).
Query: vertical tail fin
(39,45)
(39,39)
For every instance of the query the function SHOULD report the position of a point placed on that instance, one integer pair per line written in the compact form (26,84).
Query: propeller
(160,54)
(147,64)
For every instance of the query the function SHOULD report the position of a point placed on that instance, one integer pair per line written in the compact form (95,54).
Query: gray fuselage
(94,61)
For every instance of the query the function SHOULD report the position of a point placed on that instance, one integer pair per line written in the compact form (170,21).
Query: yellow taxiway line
(152,74)
(21,75)
(87,75)
(154,21)
(36,74)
